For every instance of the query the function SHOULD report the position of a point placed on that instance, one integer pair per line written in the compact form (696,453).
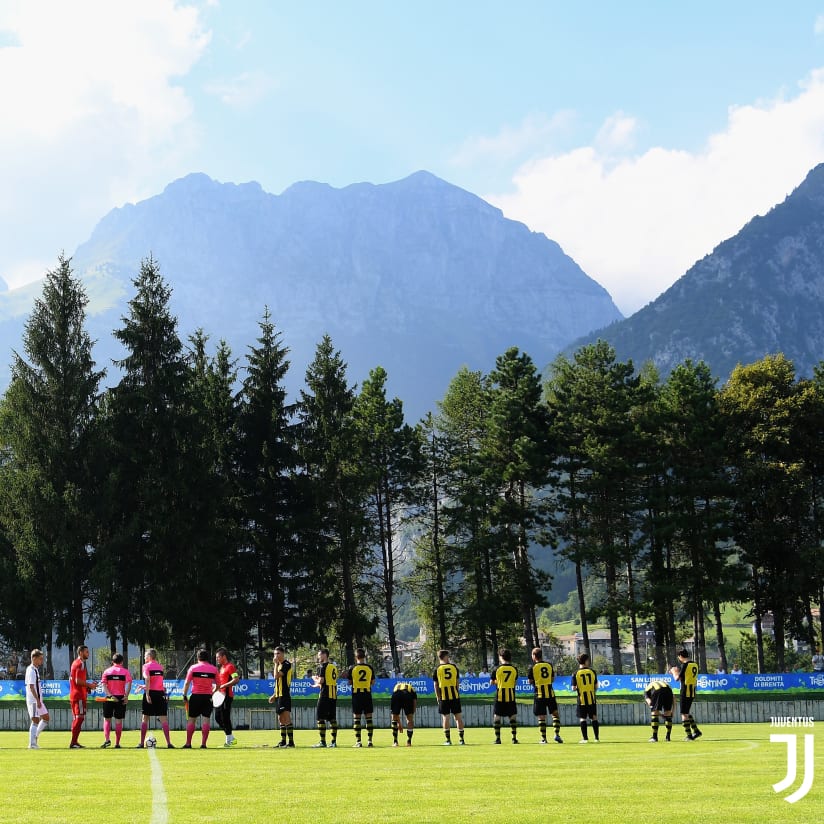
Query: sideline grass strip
(727,774)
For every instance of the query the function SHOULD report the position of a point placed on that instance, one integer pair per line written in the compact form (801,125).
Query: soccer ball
(151,741)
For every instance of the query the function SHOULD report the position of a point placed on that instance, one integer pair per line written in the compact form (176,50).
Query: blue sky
(638,135)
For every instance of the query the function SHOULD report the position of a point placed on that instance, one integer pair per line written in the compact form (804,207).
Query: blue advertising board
(258,689)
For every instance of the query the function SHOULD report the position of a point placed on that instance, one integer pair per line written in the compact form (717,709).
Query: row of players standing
(446,678)
(205,679)
(403,702)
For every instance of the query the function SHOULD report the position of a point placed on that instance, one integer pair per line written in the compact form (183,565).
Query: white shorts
(35,709)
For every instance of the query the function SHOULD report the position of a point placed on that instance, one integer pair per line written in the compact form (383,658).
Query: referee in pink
(117,684)
(154,703)
(202,678)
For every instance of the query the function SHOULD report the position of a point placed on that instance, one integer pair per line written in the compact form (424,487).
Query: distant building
(599,644)
(409,652)
(767,624)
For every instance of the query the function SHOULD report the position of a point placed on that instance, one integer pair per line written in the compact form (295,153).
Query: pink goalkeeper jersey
(203,676)
(116,678)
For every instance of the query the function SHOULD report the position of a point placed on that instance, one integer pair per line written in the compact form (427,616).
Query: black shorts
(450,706)
(504,709)
(587,710)
(158,705)
(402,701)
(115,709)
(362,703)
(545,706)
(685,704)
(223,713)
(200,705)
(661,700)
(327,709)
(283,703)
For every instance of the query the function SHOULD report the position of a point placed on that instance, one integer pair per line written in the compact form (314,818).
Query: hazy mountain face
(417,276)
(758,293)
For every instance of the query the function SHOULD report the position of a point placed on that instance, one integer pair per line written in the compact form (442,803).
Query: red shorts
(78,706)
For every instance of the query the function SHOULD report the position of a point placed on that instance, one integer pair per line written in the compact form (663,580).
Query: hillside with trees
(191,503)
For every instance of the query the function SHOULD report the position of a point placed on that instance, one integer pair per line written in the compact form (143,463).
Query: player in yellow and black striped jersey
(686,671)
(541,675)
(404,700)
(281,697)
(327,709)
(585,684)
(658,696)
(447,690)
(504,677)
(361,676)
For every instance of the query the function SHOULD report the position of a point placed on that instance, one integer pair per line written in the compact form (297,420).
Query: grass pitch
(728,774)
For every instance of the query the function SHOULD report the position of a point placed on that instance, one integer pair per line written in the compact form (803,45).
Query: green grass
(727,775)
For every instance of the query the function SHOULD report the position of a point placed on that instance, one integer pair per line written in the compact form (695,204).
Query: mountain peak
(418,276)
(812,187)
(424,178)
(198,184)
(425,182)
(758,293)
(194,182)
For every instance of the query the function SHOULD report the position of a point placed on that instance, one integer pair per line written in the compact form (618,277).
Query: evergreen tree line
(195,503)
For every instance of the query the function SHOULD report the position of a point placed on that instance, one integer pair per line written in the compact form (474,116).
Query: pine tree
(433,582)
(515,452)
(390,458)
(335,490)
(48,426)
(762,407)
(147,586)
(592,399)
(267,460)
(484,610)
(692,437)
(810,433)
(212,494)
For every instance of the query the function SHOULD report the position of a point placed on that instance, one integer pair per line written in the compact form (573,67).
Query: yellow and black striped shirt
(283,679)
(361,676)
(329,687)
(688,676)
(446,681)
(403,686)
(655,686)
(585,683)
(541,675)
(504,677)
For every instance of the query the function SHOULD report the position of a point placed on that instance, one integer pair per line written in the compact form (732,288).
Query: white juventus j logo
(789,778)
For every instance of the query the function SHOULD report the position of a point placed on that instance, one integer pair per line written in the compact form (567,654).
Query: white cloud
(92,115)
(242,91)
(637,222)
(617,134)
(513,143)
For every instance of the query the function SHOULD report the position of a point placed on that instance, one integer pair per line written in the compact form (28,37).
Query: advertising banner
(259,689)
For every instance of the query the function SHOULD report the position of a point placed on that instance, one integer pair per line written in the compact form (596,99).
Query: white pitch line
(160,812)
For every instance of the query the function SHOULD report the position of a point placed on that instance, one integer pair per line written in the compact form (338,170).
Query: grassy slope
(733,618)
(727,774)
